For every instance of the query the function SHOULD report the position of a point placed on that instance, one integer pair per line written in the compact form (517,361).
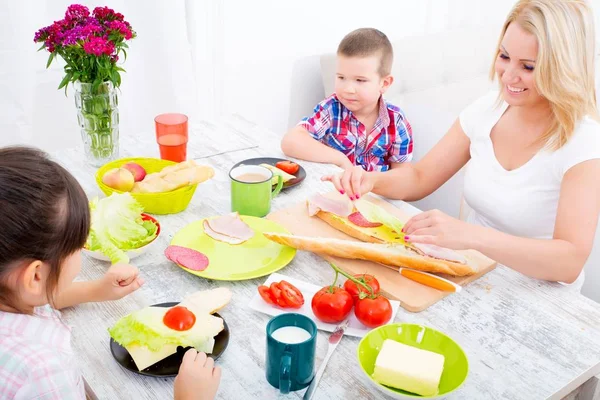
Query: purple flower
(114,58)
(120,27)
(71,37)
(76,12)
(98,46)
(92,27)
(104,13)
(42,34)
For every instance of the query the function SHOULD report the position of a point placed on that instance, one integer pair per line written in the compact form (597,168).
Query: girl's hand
(435,227)
(353,182)
(198,378)
(118,282)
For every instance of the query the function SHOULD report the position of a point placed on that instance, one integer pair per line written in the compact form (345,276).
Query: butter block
(408,368)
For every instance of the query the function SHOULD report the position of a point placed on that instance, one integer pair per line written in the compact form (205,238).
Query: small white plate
(355,328)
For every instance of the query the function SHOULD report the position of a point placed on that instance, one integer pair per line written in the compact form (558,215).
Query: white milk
(291,335)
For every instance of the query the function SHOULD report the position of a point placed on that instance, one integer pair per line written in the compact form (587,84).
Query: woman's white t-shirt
(524,201)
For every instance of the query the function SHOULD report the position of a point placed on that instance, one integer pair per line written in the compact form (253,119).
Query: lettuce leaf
(374,213)
(117,226)
(145,328)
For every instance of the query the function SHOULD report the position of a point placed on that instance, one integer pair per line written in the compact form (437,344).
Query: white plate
(355,328)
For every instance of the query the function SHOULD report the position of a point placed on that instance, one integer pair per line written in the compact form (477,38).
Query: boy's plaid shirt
(390,141)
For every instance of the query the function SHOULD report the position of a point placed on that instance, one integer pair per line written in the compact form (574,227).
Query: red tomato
(265,293)
(179,318)
(277,295)
(373,312)
(354,289)
(292,296)
(288,166)
(332,304)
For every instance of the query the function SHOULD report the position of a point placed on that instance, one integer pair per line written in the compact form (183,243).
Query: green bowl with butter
(455,363)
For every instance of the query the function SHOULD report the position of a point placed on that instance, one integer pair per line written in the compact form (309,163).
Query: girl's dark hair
(44,215)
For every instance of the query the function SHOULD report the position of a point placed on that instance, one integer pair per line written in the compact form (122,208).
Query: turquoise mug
(291,345)
(251,192)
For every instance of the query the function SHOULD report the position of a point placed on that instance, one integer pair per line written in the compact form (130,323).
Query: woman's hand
(119,281)
(435,227)
(353,182)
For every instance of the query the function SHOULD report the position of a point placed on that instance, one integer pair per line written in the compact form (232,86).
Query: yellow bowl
(154,203)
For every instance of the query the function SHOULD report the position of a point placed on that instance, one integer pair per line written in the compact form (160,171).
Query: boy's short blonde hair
(365,42)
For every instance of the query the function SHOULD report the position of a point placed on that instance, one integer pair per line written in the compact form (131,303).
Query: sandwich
(154,333)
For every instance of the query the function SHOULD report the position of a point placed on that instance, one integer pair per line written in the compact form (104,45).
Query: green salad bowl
(456,365)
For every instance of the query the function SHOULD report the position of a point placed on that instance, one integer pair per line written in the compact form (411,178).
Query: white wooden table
(525,339)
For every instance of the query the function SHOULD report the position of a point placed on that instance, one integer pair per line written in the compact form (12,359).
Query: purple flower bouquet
(91,45)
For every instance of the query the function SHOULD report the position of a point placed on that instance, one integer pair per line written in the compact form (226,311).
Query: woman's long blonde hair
(564,68)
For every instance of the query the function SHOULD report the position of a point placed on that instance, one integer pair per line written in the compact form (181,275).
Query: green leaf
(42,47)
(76,76)
(95,85)
(124,53)
(125,45)
(65,81)
(50,60)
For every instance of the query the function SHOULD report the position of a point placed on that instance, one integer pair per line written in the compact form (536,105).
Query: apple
(139,173)
(119,179)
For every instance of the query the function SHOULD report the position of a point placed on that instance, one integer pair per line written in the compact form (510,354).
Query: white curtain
(161,70)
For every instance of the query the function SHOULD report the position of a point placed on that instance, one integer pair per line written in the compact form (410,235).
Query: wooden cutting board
(413,296)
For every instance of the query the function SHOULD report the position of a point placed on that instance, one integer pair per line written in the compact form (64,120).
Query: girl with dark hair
(44,224)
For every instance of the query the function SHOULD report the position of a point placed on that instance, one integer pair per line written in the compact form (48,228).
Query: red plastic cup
(172,136)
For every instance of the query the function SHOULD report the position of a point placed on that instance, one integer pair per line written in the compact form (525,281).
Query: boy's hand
(118,282)
(198,378)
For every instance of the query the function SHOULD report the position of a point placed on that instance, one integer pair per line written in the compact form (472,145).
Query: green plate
(252,259)
(456,365)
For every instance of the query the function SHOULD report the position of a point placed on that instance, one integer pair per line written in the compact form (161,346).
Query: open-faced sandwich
(154,333)
(380,235)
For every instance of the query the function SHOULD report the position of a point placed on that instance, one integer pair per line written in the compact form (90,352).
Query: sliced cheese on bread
(276,171)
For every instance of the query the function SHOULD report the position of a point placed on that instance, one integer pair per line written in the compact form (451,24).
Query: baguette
(349,229)
(388,254)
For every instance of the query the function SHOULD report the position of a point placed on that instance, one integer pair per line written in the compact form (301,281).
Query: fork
(334,340)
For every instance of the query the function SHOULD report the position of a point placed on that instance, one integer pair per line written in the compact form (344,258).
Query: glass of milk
(290,355)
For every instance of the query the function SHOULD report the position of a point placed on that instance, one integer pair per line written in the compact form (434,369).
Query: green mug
(251,192)
(291,345)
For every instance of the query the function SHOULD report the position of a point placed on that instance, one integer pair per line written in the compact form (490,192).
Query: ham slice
(229,229)
(317,203)
(438,252)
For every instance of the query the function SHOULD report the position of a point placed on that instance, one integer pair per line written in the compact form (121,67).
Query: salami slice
(359,220)
(188,258)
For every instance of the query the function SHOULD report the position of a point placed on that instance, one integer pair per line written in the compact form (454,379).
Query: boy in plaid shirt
(355,125)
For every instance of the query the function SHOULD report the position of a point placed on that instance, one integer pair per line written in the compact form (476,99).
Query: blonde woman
(531,150)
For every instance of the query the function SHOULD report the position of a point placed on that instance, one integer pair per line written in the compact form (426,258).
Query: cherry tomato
(332,304)
(354,289)
(179,318)
(373,312)
(288,166)
(292,296)
(265,293)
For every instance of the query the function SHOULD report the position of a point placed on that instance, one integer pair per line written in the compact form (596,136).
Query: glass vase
(98,118)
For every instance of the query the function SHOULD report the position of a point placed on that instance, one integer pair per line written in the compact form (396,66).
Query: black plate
(300,174)
(170,365)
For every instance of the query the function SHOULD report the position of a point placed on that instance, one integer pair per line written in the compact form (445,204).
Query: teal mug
(251,190)
(291,345)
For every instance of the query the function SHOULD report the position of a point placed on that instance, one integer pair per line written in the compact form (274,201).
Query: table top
(524,338)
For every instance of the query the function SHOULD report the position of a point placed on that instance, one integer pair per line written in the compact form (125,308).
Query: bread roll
(173,177)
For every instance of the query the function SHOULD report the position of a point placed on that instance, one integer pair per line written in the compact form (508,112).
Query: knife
(430,280)
(334,340)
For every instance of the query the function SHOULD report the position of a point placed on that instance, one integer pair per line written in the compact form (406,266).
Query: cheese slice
(276,171)
(408,368)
